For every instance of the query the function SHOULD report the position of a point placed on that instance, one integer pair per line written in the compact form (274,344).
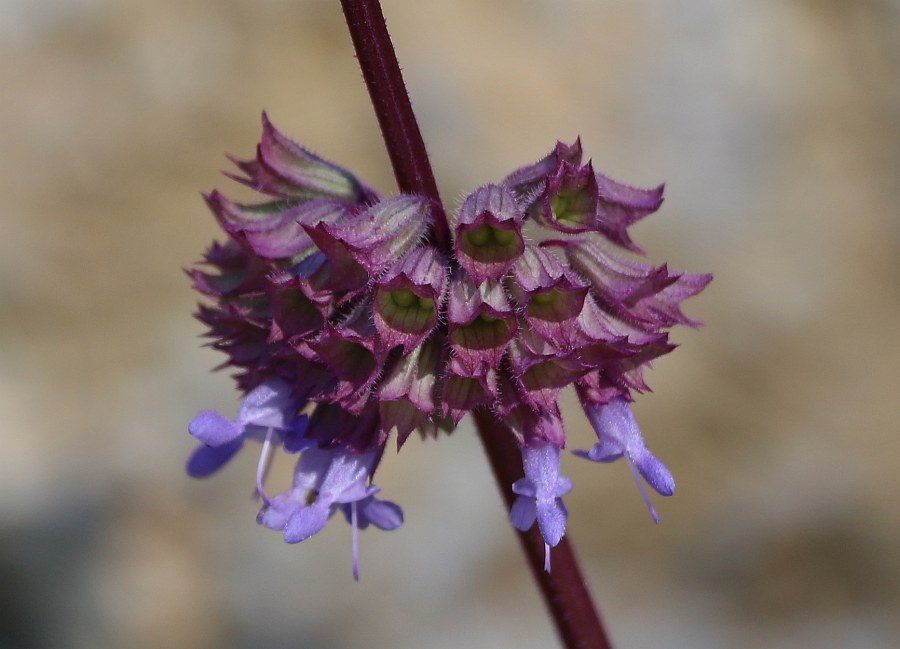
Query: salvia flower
(540,495)
(345,321)
(620,437)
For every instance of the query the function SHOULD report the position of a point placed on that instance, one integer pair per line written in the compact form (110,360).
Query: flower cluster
(346,322)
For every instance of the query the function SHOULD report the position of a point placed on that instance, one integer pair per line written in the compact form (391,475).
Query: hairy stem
(564,590)
(399,127)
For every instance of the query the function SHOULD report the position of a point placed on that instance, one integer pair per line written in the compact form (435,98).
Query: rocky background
(776,124)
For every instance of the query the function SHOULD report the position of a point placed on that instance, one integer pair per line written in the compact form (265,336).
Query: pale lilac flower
(268,414)
(326,480)
(620,437)
(540,495)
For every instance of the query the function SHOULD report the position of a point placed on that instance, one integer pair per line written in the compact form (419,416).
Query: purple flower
(540,495)
(330,299)
(268,413)
(326,480)
(620,437)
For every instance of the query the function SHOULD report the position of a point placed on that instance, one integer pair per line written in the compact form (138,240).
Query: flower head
(338,305)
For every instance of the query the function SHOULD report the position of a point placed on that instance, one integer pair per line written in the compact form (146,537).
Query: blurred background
(776,125)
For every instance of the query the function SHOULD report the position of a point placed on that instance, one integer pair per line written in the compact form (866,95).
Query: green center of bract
(571,209)
(489,245)
(406,311)
(484,332)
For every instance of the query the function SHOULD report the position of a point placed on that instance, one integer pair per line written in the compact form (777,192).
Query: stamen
(262,468)
(546,557)
(355,534)
(640,486)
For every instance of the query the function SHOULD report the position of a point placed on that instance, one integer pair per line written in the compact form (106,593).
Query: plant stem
(399,127)
(565,591)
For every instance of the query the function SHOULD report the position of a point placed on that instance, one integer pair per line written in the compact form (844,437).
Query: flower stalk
(402,136)
(564,589)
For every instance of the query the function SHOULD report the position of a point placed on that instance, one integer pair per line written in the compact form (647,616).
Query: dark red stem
(564,589)
(392,107)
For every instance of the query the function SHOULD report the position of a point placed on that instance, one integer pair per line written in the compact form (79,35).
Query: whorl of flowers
(345,322)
